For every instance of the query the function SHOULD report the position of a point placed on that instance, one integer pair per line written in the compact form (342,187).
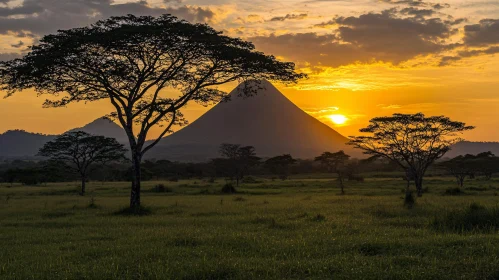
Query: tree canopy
(236,160)
(81,151)
(147,67)
(412,141)
(335,163)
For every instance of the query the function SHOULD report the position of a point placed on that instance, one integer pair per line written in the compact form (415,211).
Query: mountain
(473,148)
(104,127)
(23,144)
(268,121)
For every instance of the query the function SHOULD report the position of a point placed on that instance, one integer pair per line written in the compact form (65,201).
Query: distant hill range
(268,121)
(19,144)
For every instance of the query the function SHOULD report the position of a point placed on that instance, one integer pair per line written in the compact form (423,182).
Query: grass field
(297,229)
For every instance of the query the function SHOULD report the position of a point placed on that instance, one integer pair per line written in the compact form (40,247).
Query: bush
(475,217)
(228,189)
(160,188)
(409,200)
(453,191)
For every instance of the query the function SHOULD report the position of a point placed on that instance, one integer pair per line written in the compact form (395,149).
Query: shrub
(319,218)
(475,217)
(453,191)
(409,200)
(160,188)
(92,204)
(228,189)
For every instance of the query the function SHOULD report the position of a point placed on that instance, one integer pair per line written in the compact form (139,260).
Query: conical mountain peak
(266,120)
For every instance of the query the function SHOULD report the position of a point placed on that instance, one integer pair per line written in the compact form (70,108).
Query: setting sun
(338,119)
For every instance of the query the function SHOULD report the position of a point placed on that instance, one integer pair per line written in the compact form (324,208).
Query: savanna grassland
(295,229)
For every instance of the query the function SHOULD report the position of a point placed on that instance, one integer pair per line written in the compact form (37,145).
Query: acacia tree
(335,163)
(82,151)
(236,160)
(412,141)
(280,165)
(148,68)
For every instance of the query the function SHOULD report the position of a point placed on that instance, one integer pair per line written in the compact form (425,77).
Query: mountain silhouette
(23,144)
(105,127)
(268,121)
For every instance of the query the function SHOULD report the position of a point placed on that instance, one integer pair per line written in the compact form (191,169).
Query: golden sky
(365,58)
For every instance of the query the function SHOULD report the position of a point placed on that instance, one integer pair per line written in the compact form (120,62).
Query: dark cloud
(417,3)
(385,36)
(18,45)
(290,17)
(417,12)
(447,60)
(9,56)
(45,16)
(484,33)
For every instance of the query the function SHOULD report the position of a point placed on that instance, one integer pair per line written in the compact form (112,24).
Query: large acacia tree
(148,68)
(81,152)
(412,141)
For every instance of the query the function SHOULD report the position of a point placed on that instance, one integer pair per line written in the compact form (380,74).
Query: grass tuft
(160,188)
(453,191)
(474,218)
(134,211)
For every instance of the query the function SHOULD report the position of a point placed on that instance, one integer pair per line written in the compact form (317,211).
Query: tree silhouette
(335,163)
(413,141)
(81,151)
(469,165)
(236,160)
(148,68)
(280,165)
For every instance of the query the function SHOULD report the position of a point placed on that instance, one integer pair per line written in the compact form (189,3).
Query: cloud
(388,36)
(417,12)
(18,45)
(417,3)
(484,33)
(290,17)
(41,17)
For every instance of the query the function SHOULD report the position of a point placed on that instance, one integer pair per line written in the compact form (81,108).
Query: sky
(364,58)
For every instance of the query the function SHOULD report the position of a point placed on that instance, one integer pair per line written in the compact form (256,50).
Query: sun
(338,119)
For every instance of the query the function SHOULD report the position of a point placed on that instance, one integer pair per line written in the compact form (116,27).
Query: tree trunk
(83,182)
(341,184)
(419,185)
(135,193)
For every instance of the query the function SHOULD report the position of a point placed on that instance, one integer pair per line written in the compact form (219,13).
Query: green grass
(296,229)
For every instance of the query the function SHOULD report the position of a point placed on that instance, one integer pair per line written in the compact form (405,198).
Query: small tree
(280,165)
(82,151)
(459,167)
(131,62)
(236,160)
(413,141)
(335,163)
(469,165)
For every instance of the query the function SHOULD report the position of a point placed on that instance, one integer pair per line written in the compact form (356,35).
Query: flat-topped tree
(81,152)
(130,60)
(335,163)
(412,141)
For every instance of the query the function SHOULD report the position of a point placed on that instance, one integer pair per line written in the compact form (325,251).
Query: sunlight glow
(338,119)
